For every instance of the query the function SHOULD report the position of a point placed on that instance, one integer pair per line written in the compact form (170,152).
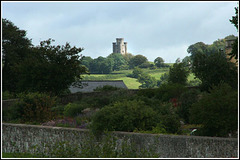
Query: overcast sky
(153,29)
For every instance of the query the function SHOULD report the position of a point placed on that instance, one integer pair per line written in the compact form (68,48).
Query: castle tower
(120,46)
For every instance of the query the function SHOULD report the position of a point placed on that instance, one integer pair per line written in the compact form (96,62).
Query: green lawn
(131,83)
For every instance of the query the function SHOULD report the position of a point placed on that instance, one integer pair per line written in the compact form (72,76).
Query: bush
(35,107)
(107,88)
(217,111)
(170,90)
(186,100)
(123,116)
(73,109)
(147,92)
(11,113)
(7,95)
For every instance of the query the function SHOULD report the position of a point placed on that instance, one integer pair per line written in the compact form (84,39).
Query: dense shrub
(35,107)
(147,92)
(73,109)
(186,100)
(217,111)
(11,113)
(170,90)
(7,95)
(124,116)
(107,88)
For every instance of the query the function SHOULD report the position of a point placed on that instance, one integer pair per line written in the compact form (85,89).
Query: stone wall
(20,137)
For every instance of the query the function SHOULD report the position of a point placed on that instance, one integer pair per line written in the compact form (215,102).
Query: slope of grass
(132,83)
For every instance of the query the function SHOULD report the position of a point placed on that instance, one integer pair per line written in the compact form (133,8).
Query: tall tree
(214,68)
(15,47)
(44,68)
(51,68)
(234,20)
(178,73)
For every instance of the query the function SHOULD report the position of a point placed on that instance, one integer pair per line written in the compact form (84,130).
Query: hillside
(131,83)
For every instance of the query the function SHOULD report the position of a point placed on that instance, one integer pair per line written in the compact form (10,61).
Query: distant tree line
(117,61)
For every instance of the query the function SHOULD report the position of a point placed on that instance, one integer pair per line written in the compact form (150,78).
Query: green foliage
(118,61)
(217,111)
(163,79)
(86,61)
(178,73)
(137,61)
(214,68)
(136,72)
(159,129)
(101,65)
(123,116)
(148,92)
(234,19)
(186,100)
(35,107)
(106,88)
(106,146)
(15,46)
(25,66)
(170,90)
(147,81)
(11,114)
(145,65)
(73,109)
(19,155)
(159,62)
(7,95)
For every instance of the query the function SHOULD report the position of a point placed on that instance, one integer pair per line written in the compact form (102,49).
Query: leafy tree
(234,20)
(198,47)
(101,65)
(217,111)
(214,68)
(163,79)
(159,62)
(147,81)
(178,60)
(15,47)
(187,61)
(178,74)
(145,65)
(128,57)
(137,60)
(86,61)
(44,68)
(51,68)
(136,72)
(118,61)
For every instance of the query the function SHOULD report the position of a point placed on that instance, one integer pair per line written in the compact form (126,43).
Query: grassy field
(131,83)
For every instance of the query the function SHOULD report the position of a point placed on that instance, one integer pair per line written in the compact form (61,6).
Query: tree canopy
(44,68)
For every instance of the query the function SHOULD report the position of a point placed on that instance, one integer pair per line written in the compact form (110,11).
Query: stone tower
(120,46)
